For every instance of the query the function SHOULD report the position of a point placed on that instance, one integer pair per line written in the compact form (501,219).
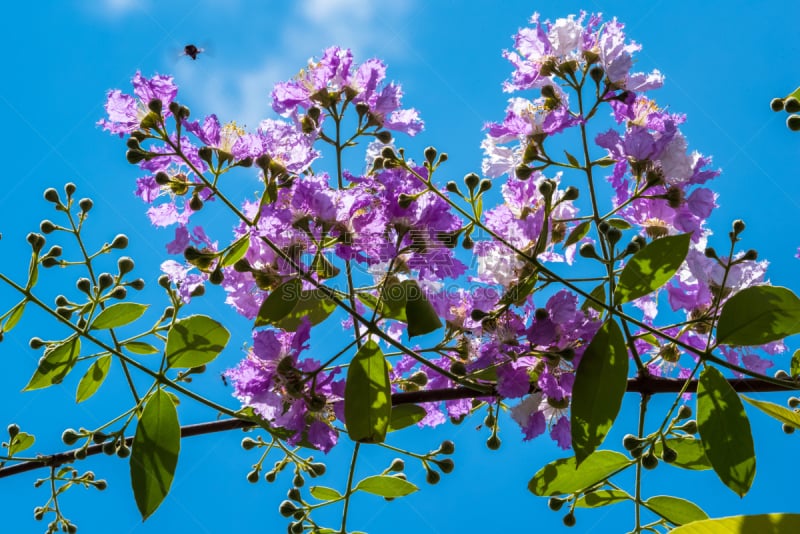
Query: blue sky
(723,62)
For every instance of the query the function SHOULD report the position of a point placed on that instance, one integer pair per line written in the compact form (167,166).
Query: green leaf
(675,510)
(758,315)
(619,224)
(725,431)
(14,316)
(55,364)
(194,341)
(118,315)
(236,252)
(572,160)
(405,415)
(762,524)
(600,383)
(386,486)
(93,378)
(279,303)
(690,451)
(794,369)
(604,162)
(139,347)
(154,456)
(422,318)
(651,267)
(794,94)
(600,294)
(578,233)
(565,476)
(602,497)
(367,395)
(313,305)
(784,415)
(20,442)
(323,493)
(323,267)
(393,302)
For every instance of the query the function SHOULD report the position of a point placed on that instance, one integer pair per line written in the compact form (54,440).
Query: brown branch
(648,385)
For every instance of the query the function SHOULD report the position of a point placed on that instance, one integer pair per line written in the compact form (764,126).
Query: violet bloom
(125,112)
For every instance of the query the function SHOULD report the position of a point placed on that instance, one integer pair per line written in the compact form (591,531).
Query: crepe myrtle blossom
(334,76)
(125,112)
(544,47)
(286,390)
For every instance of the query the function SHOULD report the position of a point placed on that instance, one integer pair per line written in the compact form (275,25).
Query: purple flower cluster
(388,225)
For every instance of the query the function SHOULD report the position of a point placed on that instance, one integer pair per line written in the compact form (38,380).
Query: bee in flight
(192,51)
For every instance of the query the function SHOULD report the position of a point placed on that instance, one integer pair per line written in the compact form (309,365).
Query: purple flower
(125,112)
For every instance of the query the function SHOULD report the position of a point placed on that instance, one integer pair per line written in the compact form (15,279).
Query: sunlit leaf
(561,477)
(194,341)
(758,315)
(599,293)
(236,252)
(690,451)
(55,364)
(405,415)
(313,306)
(782,414)
(118,314)
(578,233)
(367,395)
(600,383)
(760,524)
(20,442)
(602,497)
(651,267)
(725,431)
(386,486)
(676,511)
(154,454)
(279,303)
(139,347)
(14,316)
(422,317)
(323,493)
(794,368)
(94,378)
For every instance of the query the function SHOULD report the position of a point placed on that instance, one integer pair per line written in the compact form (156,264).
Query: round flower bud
(793,122)
(156,106)
(432,477)
(36,241)
(118,293)
(298,481)
(64,313)
(458,368)
(791,105)
(287,508)
(738,226)
(419,378)
(787,428)
(388,153)
(684,412)
(125,265)
(13,430)
(35,343)
(709,252)
(123,451)
(196,203)
(85,204)
(782,375)
(569,519)
(252,476)
(296,528)
(104,280)
(555,504)
(51,195)
(46,226)
(630,442)
(404,200)
(613,235)
(430,154)
(318,469)
(794,402)
(546,188)
(484,185)
(596,73)
(447,465)
(384,136)
(638,451)
(649,461)
(776,104)
(451,186)
(523,172)
(571,193)
(294,494)
(216,277)
(493,442)
(467,243)
(472,180)
(603,227)
(690,427)
(248,443)
(109,448)
(668,455)
(162,178)
(587,251)
(119,241)
(447,447)
(163,281)
(38,513)
(750,255)
(397,465)
(99,437)
(101,485)
(80,454)
(84,284)
(490,420)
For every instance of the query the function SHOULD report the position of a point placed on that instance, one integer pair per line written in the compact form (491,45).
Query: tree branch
(645,384)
